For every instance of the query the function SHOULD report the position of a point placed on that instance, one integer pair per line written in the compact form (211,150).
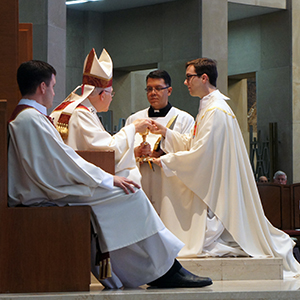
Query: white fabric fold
(86,132)
(214,169)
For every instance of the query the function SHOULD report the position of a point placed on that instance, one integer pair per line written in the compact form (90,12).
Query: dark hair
(207,66)
(31,74)
(160,74)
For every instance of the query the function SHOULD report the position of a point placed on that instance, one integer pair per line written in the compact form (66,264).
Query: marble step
(230,269)
(234,278)
(235,268)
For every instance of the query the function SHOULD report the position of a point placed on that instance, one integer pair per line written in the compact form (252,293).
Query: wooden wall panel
(25,42)
(45,249)
(271,195)
(296,203)
(9,54)
(3,155)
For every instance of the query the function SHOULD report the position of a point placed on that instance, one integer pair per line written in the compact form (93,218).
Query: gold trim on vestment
(229,114)
(171,121)
(62,125)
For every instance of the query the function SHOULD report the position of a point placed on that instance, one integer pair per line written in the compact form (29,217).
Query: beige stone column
(296,88)
(215,37)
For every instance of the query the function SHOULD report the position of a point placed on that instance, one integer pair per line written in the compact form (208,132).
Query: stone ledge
(235,268)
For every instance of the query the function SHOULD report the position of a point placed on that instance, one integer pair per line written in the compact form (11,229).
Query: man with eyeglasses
(216,208)
(79,125)
(280,177)
(158,90)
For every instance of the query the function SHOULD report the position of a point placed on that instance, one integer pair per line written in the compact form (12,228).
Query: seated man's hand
(144,149)
(125,184)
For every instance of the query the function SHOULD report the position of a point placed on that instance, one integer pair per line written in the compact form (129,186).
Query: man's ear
(101,96)
(205,77)
(170,89)
(43,87)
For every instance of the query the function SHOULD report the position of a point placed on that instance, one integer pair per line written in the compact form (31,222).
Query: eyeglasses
(189,76)
(111,93)
(156,89)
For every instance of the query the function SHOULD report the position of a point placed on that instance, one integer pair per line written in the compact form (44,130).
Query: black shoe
(179,277)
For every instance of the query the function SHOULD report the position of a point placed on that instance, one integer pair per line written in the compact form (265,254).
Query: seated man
(43,169)
(216,210)
(262,179)
(280,177)
(80,127)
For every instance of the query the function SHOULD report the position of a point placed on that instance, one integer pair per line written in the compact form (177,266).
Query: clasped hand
(144,149)
(142,125)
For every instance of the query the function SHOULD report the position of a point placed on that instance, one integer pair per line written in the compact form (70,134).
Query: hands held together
(142,126)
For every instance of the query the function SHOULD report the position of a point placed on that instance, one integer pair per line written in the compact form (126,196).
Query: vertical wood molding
(9,26)
(25,42)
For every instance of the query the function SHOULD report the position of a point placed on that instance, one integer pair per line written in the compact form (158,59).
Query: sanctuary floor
(233,278)
(244,289)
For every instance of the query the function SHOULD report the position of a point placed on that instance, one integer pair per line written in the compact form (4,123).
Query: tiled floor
(235,278)
(252,289)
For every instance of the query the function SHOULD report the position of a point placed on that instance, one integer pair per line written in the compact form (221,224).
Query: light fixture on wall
(70,2)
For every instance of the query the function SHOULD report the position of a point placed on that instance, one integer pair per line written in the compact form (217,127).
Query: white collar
(205,99)
(86,102)
(41,108)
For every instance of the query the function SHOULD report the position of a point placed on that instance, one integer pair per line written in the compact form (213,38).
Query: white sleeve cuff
(168,172)
(108,182)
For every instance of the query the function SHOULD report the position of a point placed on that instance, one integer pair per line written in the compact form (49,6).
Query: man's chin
(154,105)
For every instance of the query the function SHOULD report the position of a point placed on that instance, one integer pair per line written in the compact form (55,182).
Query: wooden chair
(271,195)
(278,204)
(103,159)
(42,249)
(295,194)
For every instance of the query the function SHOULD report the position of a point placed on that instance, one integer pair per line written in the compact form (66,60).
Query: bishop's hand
(142,126)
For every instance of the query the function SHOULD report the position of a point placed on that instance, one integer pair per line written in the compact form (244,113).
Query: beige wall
(237,92)
(296,88)
(49,37)
(215,37)
(132,85)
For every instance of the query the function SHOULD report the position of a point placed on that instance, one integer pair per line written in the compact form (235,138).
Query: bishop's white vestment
(217,203)
(153,181)
(86,132)
(42,169)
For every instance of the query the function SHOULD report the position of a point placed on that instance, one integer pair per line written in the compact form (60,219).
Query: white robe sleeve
(200,162)
(175,141)
(52,168)
(87,133)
